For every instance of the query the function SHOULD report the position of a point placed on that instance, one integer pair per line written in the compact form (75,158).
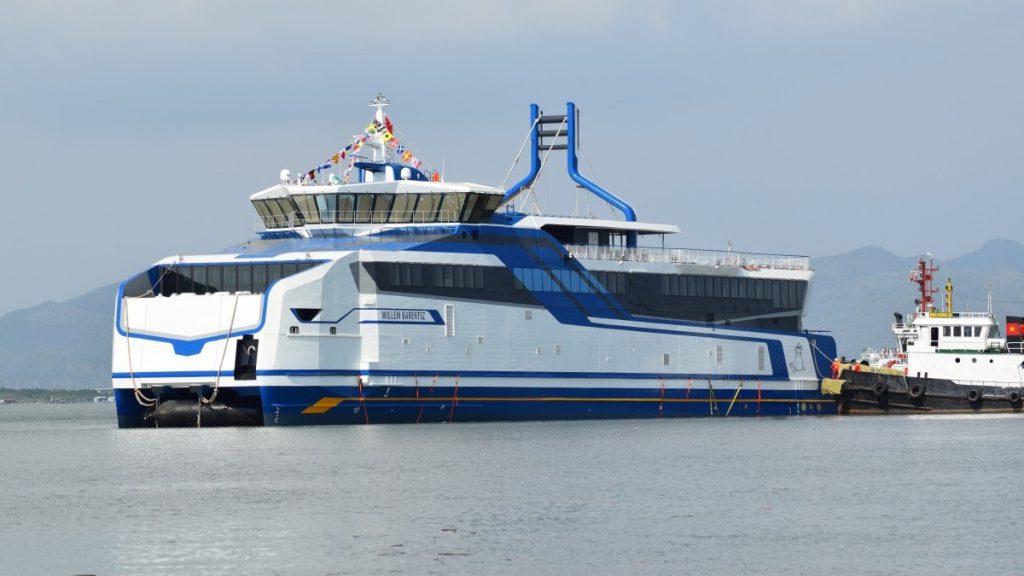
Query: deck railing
(358,217)
(750,261)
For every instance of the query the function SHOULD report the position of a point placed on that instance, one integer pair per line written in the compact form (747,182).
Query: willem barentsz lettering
(404,315)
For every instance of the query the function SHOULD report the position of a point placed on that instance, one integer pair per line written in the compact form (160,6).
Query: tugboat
(943,361)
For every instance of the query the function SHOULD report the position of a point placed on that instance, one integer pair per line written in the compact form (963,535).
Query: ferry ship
(943,360)
(379,292)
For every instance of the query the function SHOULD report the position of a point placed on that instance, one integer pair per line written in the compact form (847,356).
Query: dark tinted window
(205,279)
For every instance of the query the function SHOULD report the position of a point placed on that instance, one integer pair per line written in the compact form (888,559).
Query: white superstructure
(965,347)
(401,297)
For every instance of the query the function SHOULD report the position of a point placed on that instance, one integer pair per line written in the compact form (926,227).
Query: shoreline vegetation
(53,396)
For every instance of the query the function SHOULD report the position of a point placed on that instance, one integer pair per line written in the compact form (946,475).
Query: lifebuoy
(915,391)
(880,389)
(1014,396)
(973,395)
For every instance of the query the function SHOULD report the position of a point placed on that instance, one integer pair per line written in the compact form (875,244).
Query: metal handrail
(750,261)
(359,217)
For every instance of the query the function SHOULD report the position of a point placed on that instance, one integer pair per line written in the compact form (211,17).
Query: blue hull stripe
(227,374)
(288,405)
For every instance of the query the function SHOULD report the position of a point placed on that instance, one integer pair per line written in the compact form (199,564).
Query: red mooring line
(455,400)
(661,404)
(417,380)
(362,399)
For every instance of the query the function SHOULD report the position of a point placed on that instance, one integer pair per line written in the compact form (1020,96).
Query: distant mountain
(67,344)
(59,345)
(855,294)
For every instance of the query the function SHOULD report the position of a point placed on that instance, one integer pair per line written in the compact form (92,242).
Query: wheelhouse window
(402,209)
(345,208)
(426,208)
(364,207)
(307,205)
(382,207)
(376,208)
(451,206)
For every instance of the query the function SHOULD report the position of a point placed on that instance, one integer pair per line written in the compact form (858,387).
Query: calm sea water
(833,495)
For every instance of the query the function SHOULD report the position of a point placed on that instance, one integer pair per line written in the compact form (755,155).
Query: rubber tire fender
(879,389)
(973,395)
(915,391)
(1013,396)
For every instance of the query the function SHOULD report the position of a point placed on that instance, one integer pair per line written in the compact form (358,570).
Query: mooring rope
(220,368)
(139,396)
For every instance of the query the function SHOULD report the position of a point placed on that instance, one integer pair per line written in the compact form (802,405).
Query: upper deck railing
(749,261)
(357,218)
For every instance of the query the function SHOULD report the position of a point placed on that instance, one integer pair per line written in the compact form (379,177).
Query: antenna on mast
(923,277)
(379,102)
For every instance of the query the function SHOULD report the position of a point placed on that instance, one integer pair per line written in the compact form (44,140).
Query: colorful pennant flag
(406,156)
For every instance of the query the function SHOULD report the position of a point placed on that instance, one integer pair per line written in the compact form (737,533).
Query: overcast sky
(133,130)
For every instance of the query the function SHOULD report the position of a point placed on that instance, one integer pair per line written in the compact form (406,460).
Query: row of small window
(614,282)
(783,293)
(538,280)
(210,278)
(442,275)
(961,331)
(380,208)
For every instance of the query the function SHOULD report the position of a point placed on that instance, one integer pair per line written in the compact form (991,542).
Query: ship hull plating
(873,393)
(427,403)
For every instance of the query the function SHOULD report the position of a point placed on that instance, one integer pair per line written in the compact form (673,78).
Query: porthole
(990,360)
(974,360)
(957,360)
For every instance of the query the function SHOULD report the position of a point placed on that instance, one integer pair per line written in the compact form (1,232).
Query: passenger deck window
(210,278)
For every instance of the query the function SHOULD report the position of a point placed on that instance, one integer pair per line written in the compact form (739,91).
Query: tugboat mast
(923,277)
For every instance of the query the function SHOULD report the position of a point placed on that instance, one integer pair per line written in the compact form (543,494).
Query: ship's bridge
(313,210)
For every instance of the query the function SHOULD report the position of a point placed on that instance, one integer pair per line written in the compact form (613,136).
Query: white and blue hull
(362,353)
